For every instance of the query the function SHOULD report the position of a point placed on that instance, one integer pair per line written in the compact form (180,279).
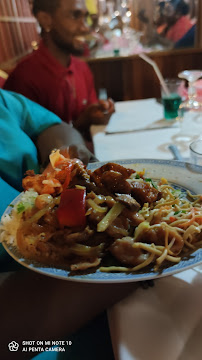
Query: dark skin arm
(62,136)
(95,114)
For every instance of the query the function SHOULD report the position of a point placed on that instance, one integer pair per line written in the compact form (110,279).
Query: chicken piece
(123,250)
(80,176)
(135,217)
(156,236)
(144,192)
(114,182)
(119,227)
(96,175)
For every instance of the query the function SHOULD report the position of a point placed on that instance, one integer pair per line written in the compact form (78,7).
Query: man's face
(69,25)
(169,12)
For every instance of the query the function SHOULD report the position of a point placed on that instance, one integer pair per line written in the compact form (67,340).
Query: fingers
(107,106)
(81,152)
(111,106)
(64,150)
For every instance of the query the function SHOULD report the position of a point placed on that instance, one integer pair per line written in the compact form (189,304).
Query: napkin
(136,119)
(160,323)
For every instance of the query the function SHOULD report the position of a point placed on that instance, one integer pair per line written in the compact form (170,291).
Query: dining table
(138,129)
(163,321)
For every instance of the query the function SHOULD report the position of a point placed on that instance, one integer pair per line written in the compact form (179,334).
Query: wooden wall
(17,31)
(130,78)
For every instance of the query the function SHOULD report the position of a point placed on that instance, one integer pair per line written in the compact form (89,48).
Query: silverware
(136,130)
(175,151)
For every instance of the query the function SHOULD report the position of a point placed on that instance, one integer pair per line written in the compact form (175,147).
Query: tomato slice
(72,208)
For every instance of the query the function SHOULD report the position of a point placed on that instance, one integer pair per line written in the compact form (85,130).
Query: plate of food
(122,221)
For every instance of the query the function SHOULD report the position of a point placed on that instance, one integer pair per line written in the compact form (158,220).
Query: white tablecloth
(160,323)
(150,143)
(163,322)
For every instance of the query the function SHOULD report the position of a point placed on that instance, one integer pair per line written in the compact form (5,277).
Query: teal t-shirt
(21,121)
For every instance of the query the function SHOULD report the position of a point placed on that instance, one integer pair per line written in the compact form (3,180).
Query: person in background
(176,14)
(187,40)
(155,30)
(37,307)
(159,19)
(172,22)
(53,76)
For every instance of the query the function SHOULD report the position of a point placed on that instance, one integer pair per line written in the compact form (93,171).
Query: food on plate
(76,218)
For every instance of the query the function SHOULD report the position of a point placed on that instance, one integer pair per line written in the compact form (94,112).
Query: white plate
(183,175)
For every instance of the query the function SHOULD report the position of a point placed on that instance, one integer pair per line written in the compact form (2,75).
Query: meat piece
(115,182)
(128,201)
(119,227)
(156,236)
(123,250)
(81,236)
(135,217)
(96,175)
(80,176)
(115,167)
(144,192)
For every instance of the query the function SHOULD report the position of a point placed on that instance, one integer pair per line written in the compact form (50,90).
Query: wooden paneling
(17,31)
(109,75)
(130,78)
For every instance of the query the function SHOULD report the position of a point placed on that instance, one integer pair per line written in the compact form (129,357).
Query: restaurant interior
(114,59)
(136,59)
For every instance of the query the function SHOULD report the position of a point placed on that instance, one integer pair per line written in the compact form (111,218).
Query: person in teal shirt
(22,124)
(37,307)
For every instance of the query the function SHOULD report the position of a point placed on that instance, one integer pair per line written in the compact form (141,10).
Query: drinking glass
(191,103)
(190,110)
(196,152)
(171,101)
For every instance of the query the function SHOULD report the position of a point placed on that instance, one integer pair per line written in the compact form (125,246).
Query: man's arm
(95,114)
(62,136)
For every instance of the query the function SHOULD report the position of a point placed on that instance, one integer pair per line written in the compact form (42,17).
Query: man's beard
(65,47)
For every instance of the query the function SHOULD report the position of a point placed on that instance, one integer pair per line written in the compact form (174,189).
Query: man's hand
(99,114)
(62,136)
(78,151)
(95,114)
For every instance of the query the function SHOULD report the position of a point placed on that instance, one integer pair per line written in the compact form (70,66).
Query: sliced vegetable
(141,228)
(72,208)
(151,181)
(110,217)
(56,158)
